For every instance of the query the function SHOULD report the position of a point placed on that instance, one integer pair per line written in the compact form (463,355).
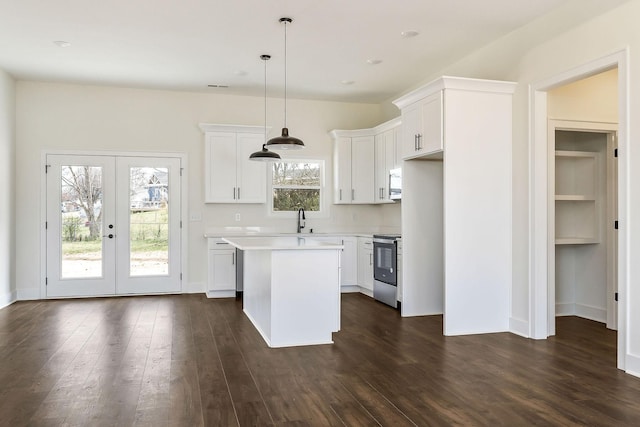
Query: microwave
(395,184)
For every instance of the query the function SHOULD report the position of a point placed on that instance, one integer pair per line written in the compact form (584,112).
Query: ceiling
(190,44)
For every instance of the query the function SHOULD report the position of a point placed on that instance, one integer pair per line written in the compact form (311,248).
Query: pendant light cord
(265,99)
(285,73)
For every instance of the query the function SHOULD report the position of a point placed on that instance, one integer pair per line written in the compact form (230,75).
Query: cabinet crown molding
(457,83)
(383,127)
(209,127)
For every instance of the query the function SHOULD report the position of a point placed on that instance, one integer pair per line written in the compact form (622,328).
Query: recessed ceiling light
(409,34)
(61,43)
(220,86)
(374,61)
(347,82)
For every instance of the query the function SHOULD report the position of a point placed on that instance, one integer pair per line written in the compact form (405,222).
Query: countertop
(305,242)
(271,232)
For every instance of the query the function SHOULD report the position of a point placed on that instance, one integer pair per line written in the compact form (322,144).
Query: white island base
(291,289)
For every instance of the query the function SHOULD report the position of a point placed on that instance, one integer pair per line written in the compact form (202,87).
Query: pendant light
(265,155)
(284,141)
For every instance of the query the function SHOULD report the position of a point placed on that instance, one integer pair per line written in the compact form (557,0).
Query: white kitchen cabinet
(362,160)
(353,169)
(221,277)
(457,205)
(349,263)
(399,271)
(422,126)
(348,260)
(365,265)
(385,161)
(230,177)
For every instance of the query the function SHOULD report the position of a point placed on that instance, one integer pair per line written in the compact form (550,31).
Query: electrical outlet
(237,217)
(195,216)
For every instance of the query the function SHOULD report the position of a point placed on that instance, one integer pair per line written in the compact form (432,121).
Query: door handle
(111,236)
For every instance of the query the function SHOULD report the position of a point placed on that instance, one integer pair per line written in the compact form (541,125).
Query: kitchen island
(291,288)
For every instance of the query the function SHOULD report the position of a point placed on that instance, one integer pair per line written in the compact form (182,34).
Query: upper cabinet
(362,161)
(353,169)
(430,112)
(422,123)
(387,144)
(230,177)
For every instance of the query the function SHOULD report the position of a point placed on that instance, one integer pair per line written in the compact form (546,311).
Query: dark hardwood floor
(190,361)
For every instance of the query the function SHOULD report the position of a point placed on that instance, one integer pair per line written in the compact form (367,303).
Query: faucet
(300,219)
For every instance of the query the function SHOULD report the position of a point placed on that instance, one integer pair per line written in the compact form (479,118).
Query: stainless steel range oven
(385,268)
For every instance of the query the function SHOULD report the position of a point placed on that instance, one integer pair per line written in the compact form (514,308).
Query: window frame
(321,213)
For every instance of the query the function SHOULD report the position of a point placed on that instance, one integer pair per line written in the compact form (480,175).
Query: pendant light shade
(265,155)
(284,141)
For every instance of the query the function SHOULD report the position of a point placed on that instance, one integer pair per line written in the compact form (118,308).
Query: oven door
(385,261)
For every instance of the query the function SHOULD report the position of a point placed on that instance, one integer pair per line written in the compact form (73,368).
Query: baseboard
(28,294)
(519,327)
(591,313)
(632,365)
(581,310)
(221,294)
(565,309)
(365,291)
(349,289)
(8,299)
(194,288)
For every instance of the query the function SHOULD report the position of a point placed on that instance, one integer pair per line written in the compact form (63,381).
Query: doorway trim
(541,242)
(184,232)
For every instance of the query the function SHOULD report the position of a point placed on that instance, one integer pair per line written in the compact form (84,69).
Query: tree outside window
(296,184)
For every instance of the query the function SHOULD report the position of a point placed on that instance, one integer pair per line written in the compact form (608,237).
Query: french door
(113,225)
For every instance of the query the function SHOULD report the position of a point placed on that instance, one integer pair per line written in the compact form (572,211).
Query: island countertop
(280,243)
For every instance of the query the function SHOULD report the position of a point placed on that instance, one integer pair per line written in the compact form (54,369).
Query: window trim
(322,213)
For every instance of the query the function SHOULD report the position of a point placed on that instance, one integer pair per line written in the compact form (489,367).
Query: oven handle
(385,241)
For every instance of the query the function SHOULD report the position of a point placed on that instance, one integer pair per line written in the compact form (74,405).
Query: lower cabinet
(399,270)
(348,260)
(365,265)
(221,277)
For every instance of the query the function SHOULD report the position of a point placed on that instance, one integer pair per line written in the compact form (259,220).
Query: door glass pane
(81,207)
(149,221)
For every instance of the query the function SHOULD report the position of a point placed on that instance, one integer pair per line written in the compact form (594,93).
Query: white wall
(77,117)
(594,99)
(7,189)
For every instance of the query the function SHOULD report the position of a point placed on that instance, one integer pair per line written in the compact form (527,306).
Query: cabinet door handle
(419,141)
(415,142)
(370,259)
(353,194)
(238,193)
(233,258)
(340,194)
(234,193)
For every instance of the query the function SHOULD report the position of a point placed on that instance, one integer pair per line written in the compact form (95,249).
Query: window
(297,184)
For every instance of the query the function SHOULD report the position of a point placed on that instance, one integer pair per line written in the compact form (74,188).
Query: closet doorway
(584,175)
